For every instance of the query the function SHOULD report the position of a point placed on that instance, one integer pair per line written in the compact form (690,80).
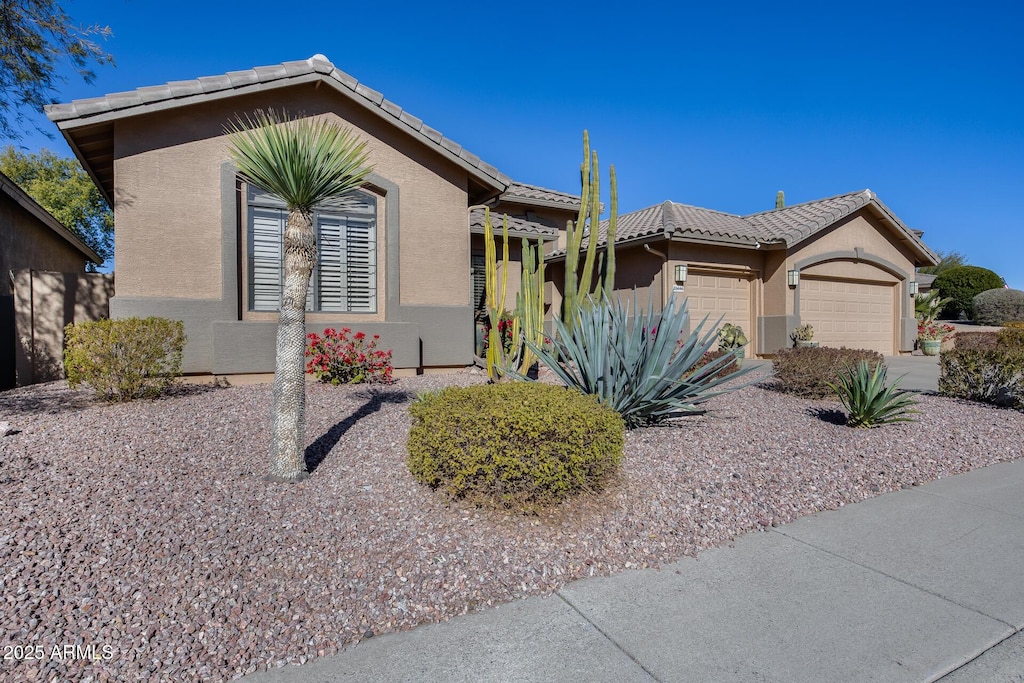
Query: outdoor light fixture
(681,272)
(913,288)
(793,277)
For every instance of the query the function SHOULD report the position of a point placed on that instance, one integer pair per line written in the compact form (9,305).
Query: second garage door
(854,314)
(720,294)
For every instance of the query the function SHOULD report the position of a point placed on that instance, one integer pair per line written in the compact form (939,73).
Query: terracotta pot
(930,347)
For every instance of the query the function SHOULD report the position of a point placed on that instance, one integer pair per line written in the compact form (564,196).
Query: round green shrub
(514,445)
(998,306)
(962,285)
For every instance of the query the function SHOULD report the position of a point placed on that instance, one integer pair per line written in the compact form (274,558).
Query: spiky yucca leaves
(868,401)
(636,365)
(303,162)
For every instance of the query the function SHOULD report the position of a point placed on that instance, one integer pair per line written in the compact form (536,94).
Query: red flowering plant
(340,357)
(933,331)
(505,323)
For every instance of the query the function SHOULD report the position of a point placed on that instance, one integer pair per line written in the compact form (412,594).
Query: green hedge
(517,445)
(124,359)
(962,285)
(998,306)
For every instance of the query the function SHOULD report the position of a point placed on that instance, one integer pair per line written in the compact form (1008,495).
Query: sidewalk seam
(897,579)
(974,658)
(961,502)
(611,640)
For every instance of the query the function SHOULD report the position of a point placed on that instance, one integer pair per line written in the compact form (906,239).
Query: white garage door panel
(857,315)
(716,296)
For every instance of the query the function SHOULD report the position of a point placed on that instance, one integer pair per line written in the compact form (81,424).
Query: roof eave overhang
(540,203)
(491,185)
(548,237)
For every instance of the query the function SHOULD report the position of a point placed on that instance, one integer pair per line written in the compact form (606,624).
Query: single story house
(31,239)
(194,242)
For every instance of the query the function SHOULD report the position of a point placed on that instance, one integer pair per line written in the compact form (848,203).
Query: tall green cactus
(528,317)
(581,285)
(780,199)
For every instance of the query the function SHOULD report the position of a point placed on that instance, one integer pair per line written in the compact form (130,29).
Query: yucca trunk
(287,446)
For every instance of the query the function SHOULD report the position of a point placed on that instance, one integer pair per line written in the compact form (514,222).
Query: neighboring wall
(44,303)
(25,243)
(180,242)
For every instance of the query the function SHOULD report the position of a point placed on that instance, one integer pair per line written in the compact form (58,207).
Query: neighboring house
(194,242)
(842,264)
(30,238)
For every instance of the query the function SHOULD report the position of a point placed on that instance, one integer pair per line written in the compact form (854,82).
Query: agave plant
(868,401)
(637,365)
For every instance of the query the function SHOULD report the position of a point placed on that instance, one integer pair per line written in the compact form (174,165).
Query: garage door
(716,295)
(857,315)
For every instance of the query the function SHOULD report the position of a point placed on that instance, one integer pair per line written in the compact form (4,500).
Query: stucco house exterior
(844,264)
(31,240)
(195,243)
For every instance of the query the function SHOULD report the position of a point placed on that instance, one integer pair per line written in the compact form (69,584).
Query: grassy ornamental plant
(636,364)
(868,402)
(513,445)
(124,359)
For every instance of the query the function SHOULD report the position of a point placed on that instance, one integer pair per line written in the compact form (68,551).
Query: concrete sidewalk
(920,585)
(919,373)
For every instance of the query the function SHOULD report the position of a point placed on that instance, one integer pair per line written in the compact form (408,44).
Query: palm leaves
(304,162)
(868,401)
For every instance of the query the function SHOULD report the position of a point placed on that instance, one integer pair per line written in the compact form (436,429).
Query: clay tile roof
(517,227)
(118,105)
(795,223)
(521,193)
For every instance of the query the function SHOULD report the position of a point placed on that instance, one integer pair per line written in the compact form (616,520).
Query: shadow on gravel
(317,451)
(830,415)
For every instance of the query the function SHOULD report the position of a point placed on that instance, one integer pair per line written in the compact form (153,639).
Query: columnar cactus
(580,285)
(780,199)
(528,317)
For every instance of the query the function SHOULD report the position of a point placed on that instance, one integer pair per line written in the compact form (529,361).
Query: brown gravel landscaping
(143,533)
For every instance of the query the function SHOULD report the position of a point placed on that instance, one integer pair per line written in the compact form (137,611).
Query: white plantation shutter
(478,269)
(362,264)
(345,279)
(266,231)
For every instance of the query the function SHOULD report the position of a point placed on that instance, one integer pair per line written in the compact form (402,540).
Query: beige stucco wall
(168,207)
(27,243)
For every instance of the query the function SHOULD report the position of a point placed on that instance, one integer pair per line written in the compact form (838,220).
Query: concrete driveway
(920,373)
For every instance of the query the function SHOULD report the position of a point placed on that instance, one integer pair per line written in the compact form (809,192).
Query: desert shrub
(807,372)
(961,285)
(1015,324)
(868,402)
(731,365)
(514,445)
(998,306)
(639,365)
(987,375)
(975,341)
(1010,338)
(124,359)
(340,357)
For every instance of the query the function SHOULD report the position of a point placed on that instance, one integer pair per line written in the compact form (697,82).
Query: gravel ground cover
(139,541)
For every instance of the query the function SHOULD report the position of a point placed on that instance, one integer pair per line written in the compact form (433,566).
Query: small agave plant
(868,401)
(635,364)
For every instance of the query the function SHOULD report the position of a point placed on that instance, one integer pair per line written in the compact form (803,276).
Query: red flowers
(933,331)
(338,359)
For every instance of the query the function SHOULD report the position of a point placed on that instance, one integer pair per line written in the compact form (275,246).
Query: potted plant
(930,337)
(803,337)
(732,339)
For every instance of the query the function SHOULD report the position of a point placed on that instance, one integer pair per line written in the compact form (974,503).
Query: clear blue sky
(715,104)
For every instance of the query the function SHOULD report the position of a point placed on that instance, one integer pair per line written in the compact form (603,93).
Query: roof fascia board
(22,198)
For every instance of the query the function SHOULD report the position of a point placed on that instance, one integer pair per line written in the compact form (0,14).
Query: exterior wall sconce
(793,277)
(913,288)
(681,273)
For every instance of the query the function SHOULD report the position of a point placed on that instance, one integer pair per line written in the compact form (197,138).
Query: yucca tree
(303,162)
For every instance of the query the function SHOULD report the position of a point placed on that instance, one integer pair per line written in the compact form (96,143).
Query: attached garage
(851,313)
(720,293)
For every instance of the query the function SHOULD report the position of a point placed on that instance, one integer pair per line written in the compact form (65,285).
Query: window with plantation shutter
(478,269)
(345,278)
